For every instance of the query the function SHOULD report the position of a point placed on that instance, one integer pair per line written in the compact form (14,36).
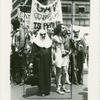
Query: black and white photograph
(49,49)
(51,52)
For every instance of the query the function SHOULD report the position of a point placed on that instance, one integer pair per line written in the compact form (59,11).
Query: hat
(76,31)
(42,42)
(86,34)
(68,32)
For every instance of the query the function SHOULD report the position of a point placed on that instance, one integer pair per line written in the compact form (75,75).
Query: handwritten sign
(44,16)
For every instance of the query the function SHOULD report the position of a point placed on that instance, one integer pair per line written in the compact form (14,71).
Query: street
(27,92)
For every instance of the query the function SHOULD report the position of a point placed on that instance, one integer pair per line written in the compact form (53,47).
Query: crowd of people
(56,53)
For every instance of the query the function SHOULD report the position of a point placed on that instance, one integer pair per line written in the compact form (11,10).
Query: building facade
(75,12)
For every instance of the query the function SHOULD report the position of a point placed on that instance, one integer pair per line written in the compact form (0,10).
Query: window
(82,22)
(66,8)
(80,9)
(87,9)
(87,22)
(84,8)
(66,21)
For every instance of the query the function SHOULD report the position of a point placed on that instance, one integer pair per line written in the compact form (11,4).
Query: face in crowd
(50,32)
(85,36)
(69,33)
(63,30)
(76,33)
(43,35)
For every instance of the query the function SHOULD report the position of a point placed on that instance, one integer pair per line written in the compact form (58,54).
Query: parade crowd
(41,55)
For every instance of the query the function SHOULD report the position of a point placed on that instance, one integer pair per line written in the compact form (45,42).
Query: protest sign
(45,16)
(24,18)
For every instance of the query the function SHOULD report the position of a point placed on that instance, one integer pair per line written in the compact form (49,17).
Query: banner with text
(24,18)
(45,16)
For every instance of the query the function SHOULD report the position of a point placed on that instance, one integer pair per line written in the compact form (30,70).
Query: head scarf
(42,42)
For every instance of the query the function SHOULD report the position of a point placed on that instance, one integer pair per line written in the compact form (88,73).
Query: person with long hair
(59,60)
(66,38)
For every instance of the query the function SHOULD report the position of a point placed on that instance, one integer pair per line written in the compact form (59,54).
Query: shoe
(60,92)
(42,95)
(66,90)
(76,83)
(68,82)
(81,83)
(46,93)
(21,84)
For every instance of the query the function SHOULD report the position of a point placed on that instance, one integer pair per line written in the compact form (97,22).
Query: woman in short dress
(59,61)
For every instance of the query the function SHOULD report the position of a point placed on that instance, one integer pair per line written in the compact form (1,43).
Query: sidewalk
(79,92)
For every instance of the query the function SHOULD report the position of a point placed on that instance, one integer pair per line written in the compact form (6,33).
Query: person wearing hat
(77,58)
(73,56)
(41,61)
(76,34)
